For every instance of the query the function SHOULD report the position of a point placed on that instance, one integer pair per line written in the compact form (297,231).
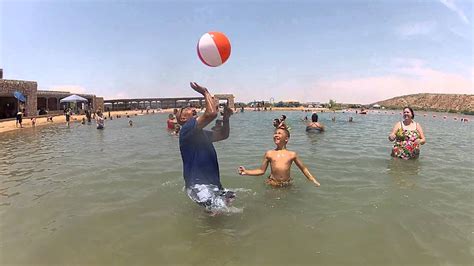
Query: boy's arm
(256,172)
(305,171)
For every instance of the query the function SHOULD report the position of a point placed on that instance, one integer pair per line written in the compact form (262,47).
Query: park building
(34,102)
(165,103)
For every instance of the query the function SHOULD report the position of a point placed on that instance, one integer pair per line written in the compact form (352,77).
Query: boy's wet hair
(284,128)
(314,117)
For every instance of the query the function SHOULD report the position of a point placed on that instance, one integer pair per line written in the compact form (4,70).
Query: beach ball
(213,48)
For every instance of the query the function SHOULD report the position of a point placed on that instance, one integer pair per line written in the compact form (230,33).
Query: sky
(350,51)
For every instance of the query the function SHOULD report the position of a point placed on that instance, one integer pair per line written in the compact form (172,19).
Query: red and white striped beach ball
(213,48)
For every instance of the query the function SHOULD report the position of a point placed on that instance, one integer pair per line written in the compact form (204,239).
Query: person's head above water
(283,117)
(314,117)
(170,116)
(276,122)
(408,113)
(281,136)
(185,114)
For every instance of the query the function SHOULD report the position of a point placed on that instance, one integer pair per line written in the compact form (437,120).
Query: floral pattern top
(405,146)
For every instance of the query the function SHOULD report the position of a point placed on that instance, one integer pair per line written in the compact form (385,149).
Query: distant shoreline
(10,125)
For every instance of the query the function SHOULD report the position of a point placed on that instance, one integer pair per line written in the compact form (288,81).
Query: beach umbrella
(73,98)
(19,96)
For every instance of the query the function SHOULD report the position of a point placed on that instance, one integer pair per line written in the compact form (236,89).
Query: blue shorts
(210,196)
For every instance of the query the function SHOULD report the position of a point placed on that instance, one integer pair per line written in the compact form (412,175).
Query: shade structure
(73,98)
(19,96)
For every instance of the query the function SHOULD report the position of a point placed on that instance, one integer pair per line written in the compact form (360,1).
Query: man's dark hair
(276,122)
(314,117)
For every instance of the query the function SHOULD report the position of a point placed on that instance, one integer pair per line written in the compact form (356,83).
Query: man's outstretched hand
(197,88)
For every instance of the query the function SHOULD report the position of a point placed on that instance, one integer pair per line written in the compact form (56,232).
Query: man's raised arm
(211,111)
(224,132)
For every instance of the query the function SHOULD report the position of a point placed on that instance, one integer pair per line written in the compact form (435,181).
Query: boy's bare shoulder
(293,153)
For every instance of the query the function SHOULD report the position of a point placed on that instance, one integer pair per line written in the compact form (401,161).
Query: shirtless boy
(280,160)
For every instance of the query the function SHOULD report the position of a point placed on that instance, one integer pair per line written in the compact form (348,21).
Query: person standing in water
(19,119)
(67,113)
(280,160)
(408,136)
(314,124)
(200,164)
(171,122)
(100,120)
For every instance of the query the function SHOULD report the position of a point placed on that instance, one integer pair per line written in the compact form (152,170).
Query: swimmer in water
(100,120)
(314,124)
(280,160)
(171,122)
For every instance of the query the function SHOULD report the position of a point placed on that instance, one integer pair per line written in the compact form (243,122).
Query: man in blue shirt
(200,165)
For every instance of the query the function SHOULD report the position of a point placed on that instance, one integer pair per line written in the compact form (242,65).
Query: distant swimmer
(281,122)
(280,160)
(314,125)
(200,166)
(171,122)
(177,128)
(100,120)
(67,113)
(276,122)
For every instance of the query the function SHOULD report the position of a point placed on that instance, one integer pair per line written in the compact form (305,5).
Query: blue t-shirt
(200,164)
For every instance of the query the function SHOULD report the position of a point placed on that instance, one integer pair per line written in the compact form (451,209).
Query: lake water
(83,196)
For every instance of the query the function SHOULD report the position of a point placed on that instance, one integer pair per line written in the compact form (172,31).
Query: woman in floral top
(408,136)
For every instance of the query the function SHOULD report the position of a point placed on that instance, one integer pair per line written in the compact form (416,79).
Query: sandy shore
(61,119)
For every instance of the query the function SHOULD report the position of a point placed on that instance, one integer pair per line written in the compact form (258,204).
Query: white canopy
(73,98)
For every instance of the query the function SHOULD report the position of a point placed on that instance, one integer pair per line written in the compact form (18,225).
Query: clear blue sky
(348,51)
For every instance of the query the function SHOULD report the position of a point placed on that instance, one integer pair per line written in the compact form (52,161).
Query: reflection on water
(79,195)
(404,172)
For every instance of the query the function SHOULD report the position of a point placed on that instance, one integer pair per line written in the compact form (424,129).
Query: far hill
(432,102)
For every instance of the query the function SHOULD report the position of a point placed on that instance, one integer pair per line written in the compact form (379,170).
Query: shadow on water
(314,136)
(404,172)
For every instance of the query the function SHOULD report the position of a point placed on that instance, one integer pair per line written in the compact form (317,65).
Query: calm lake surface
(83,196)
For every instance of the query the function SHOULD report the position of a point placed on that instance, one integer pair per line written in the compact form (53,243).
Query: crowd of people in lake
(200,162)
